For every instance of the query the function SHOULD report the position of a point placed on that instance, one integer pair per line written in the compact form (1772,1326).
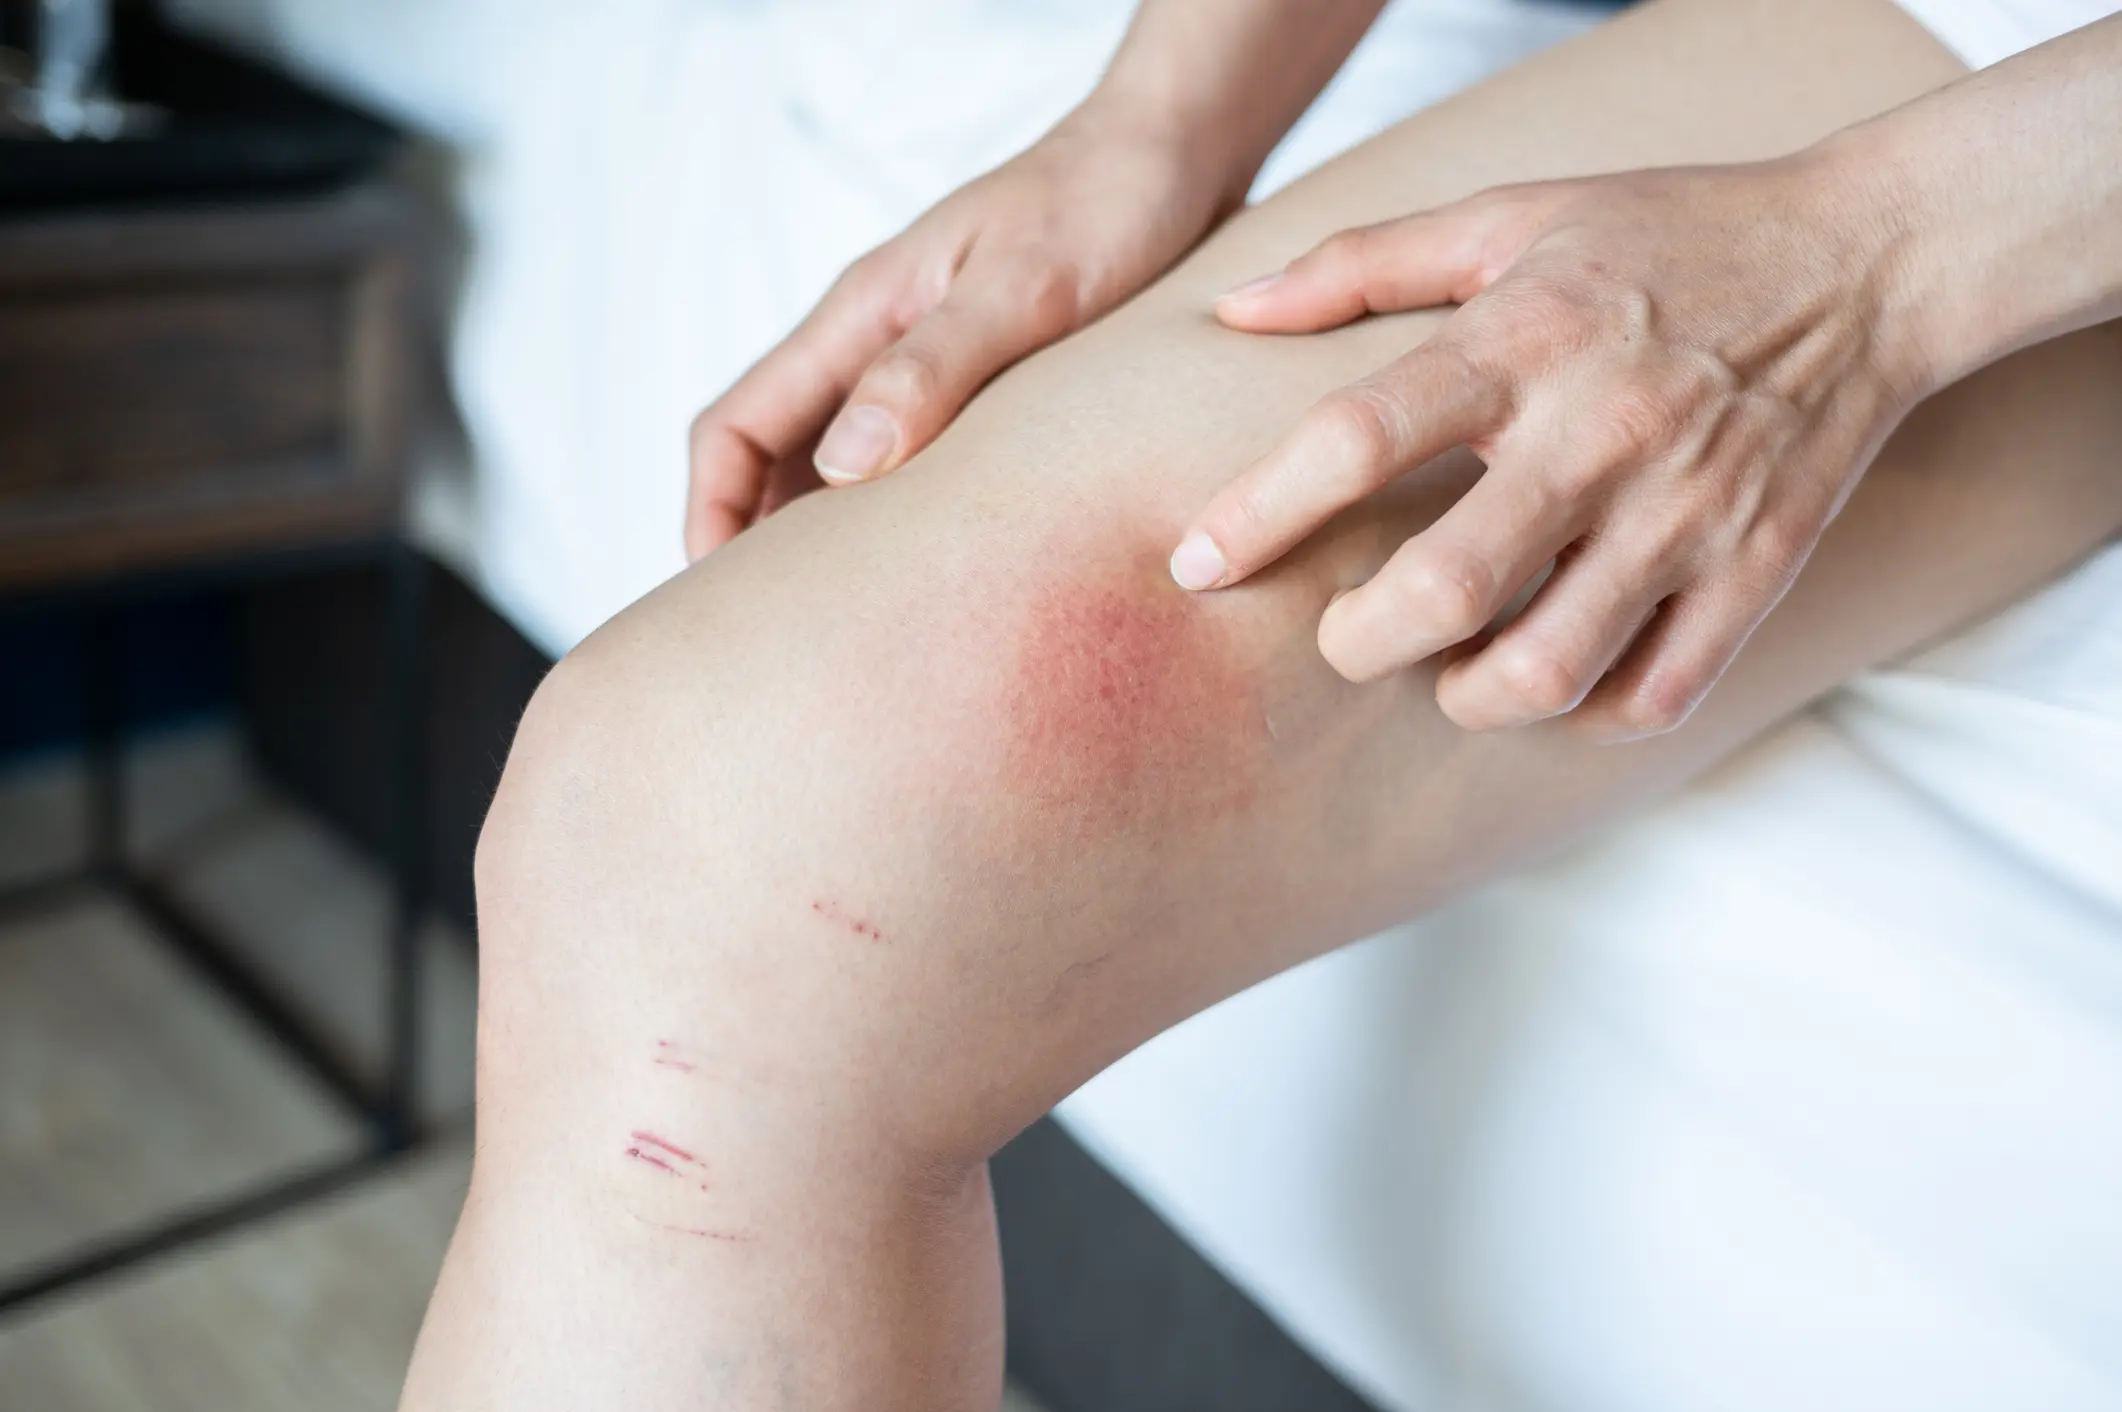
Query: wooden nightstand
(179,385)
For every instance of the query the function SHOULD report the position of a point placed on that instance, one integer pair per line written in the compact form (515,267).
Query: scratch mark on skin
(667,1056)
(1072,976)
(665,1155)
(651,1140)
(833,912)
(638,1155)
(733,1237)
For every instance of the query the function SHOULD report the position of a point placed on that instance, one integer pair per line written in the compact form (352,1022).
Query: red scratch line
(831,911)
(639,1155)
(667,1055)
(672,1148)
(702,1232)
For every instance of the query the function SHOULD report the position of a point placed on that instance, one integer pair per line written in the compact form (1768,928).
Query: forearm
(1227,78)
(2007,188)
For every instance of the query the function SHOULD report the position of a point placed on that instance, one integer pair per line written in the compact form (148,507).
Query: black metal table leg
(388,1108)
(398,1109)
(103,707)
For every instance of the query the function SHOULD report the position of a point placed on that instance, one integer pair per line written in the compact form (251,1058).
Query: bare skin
(840,858)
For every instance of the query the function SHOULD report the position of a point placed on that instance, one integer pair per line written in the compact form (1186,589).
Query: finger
(1673,664)
(1444,256)
(710,524)
(1448,583)
(994,314)
(1350,444)
(1551,656)
(777,407)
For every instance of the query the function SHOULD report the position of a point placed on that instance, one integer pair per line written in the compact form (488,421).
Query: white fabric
(1805,1091)
(1983,31)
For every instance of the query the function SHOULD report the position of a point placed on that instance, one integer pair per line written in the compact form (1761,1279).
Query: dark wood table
(182,384)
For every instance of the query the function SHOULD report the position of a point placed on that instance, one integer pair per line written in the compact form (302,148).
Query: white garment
(1983,31)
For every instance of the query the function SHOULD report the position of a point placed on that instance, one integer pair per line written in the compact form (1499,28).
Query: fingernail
(857,444)
(1197,563)
(1251,287)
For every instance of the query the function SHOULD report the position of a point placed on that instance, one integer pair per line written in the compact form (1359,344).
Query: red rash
(1124,701)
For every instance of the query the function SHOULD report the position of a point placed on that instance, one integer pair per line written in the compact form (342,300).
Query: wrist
(1887,224)
(1207,161)
(1212,102)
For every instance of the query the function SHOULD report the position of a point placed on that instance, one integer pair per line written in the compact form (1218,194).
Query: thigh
(1070,804)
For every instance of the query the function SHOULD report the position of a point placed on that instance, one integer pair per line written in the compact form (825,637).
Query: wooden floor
(129,1090)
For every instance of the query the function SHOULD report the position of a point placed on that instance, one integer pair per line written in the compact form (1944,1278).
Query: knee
(698,895)
(877,865)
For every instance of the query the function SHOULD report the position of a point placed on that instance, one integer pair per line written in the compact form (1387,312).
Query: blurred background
(347,350)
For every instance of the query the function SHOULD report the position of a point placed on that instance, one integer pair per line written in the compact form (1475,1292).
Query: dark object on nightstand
(230,128)
(206,345)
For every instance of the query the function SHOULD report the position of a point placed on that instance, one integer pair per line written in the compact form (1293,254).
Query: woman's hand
(1674,379)
(1004,266)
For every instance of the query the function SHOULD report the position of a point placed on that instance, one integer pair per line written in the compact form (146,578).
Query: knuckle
(1584,475)
(1448,589)
(1725,510)
(1662,537)
(1357,431)
(1778,547)
(699,433)
(1342,253)
(1547,319)
(1050,292)
(710,451)
(862,274)
(1634,422)
(909,374)
(1536,680)
(1658,704)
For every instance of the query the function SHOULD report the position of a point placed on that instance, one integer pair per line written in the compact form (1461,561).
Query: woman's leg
(834,862)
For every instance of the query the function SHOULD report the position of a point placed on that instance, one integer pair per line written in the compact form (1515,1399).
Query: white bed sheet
(1804,1091)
